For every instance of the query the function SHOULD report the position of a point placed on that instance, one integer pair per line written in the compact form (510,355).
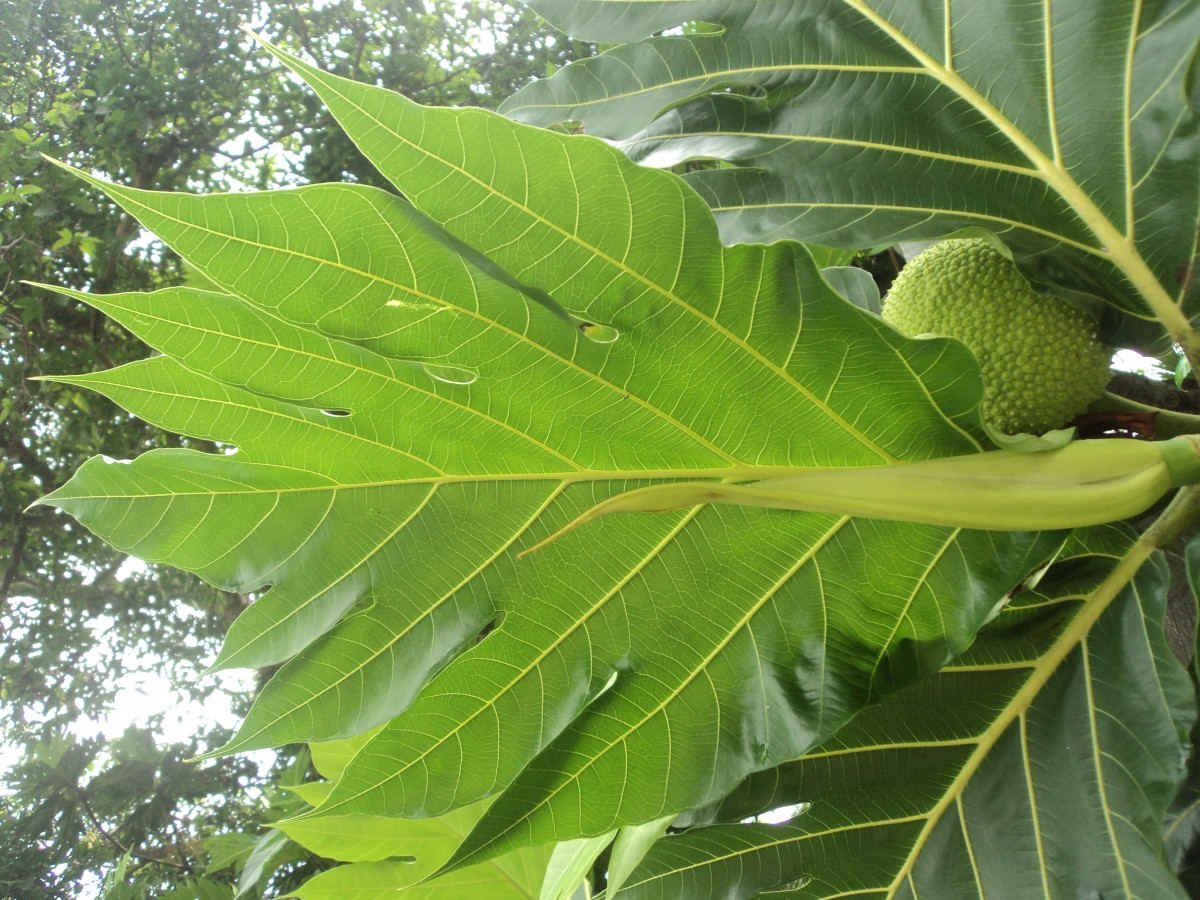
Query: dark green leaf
(1063,127)
(1040,763)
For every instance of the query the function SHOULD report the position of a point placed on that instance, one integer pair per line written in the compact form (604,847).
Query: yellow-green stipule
(1084,483)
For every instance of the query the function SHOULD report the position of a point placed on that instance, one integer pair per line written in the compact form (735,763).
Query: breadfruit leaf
(1039,763)
(419,387)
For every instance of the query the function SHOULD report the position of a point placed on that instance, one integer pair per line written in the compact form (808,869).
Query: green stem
(1181,518)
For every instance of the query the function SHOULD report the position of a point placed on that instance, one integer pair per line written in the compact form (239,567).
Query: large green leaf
(1063,126)
(391,857)
(408,412)
(401,853)
(1040,763)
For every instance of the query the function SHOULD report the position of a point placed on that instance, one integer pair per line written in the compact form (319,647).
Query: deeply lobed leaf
(409,412)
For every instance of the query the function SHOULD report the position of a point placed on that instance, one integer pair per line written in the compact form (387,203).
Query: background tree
(696,667)
(162,95)
(914,684)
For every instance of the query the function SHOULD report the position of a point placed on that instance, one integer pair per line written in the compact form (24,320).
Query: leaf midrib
(733,473)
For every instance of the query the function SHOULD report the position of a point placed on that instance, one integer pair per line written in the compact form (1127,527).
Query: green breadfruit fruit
(1041,361)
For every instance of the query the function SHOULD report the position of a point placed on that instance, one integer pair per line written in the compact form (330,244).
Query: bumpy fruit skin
(1042,364)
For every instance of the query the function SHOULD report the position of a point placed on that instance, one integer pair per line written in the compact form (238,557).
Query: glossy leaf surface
(418,391)
(1061,126)
(391,857)
(1040,763)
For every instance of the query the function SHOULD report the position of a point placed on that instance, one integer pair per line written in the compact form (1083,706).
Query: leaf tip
(78,173)
(656,498)
(544,541)
(260,39)
(316,812)
(570,526)
(40,501)
(62,165)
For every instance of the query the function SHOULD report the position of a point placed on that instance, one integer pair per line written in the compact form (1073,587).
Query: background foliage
(166,95)
(574,298)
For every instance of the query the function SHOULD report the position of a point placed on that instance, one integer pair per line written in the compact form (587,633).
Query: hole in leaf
(607,686)
(794,885)
(598,332)
(336,413)
(781,814)
(488,628)
(449,374)
(614,676)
